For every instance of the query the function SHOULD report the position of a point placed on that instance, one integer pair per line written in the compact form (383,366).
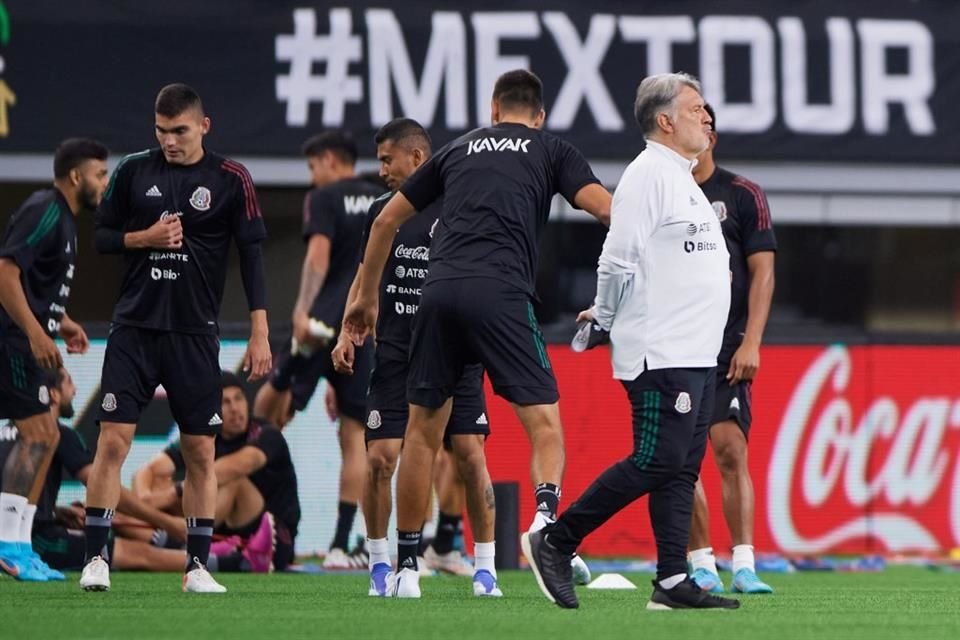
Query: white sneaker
(450,562)
(581,572)
(96,575)
(540,520)
(339,560)
(199,580)
(403,584)
(424,569)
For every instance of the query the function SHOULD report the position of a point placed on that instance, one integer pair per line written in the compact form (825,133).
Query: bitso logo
(200,200)
(373,420)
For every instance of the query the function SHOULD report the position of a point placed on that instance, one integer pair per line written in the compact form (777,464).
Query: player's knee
(381,465)
(112,447)
(731,456)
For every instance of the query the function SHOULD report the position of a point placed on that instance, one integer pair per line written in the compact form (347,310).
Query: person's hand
(166,233)
(74,335)
(301,327)
(744,363)
(585,316)
(72,516)
(360,320)
(257,360)
(45,351)
(343,355)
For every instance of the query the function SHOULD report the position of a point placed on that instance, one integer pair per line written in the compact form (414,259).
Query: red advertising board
(853,449)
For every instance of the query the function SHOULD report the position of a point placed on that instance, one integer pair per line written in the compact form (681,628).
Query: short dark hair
(713,116)
(337,141)
(404,130)
(519,89)
(230,379)
(177,98)
(73,152)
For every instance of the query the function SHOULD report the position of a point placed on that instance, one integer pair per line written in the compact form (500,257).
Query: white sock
(379,550)
(703,559)
(743,557)
(11,514)
(483,556)
(26,525)
(672,581)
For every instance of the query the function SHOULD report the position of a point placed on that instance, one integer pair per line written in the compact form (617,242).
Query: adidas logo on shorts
(215,421)
(482,419)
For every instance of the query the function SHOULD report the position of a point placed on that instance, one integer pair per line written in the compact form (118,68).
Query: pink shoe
(261,545)
(225,547)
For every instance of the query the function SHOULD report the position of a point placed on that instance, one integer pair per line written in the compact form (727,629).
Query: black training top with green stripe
(41,238)
(177,289)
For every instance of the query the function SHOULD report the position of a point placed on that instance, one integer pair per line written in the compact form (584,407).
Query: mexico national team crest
(373,420)
(683,404)
(200,200)
(720,208)
(109,402)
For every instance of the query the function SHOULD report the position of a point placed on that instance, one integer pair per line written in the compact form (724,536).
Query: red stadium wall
(853,449)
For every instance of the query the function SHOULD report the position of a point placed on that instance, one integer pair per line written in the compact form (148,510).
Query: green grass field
(897,603)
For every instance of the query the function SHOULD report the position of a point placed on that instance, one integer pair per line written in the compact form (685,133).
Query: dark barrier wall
(844,81)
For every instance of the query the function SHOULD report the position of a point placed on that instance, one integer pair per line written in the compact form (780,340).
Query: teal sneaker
(18,565)
(746,581)
(707,581)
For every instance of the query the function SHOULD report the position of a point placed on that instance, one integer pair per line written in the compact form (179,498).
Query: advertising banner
(845,81)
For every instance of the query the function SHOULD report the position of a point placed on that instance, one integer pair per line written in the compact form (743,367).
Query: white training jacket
(663,279)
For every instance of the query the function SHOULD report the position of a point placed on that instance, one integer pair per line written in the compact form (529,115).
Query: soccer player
(663,293)
(57,533)
(333,217)
(496,184)
(172,212)
(744,215)
(402,147)
(257,485)
(36,272)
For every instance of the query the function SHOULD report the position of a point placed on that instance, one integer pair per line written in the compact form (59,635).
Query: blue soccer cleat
(52,574)
(18,565)
(485,585)
(746,581)
(707,580)
(378,580)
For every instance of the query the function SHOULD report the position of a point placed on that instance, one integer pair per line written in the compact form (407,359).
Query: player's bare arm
(746,360)
(240,464)
(14,301)
(595,200)
(344,352)
(312,276)
(360,318)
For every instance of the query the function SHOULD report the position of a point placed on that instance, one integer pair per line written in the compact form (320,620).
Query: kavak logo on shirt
(200,200)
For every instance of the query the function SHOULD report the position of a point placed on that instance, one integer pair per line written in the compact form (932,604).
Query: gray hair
(657,94)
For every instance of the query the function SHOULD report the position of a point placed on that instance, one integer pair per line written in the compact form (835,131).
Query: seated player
(257,502)
(58,541)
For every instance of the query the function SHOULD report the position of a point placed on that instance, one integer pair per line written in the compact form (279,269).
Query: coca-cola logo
(412,253)
(884,466)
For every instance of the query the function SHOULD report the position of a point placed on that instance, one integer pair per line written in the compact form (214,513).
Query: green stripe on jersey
(47,222)
(123,161)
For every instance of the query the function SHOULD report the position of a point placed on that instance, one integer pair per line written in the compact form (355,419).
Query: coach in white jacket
(663,293)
